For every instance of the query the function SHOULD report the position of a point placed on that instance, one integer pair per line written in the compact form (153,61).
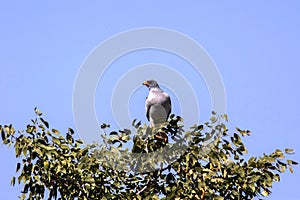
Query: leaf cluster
(203,162)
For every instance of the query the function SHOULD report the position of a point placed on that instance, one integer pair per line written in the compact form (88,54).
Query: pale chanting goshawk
(158,104)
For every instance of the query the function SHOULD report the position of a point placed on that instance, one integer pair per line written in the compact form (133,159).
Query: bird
(158,104)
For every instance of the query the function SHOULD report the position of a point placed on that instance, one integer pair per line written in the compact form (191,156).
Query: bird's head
(151,84)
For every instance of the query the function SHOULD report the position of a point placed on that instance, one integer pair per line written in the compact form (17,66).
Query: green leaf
(294,162)
(79,141)
(281,163)
(44,122)
(71,131)
(48,148)
(277,177)
(89,180)
(289,151)
(70,139)
(113,133)
(55,131)
(3,135)
(20,179)
(265,193)
(218,198)
(127,131)
(254,178)
(9,129)
(125,138)
(252,187)
(18,167)
(282,168)
(64,147)
(56,140)
(213,119)
(37,111)
(13,181)
(104,126)
(248,132)
(237,139)
(225,117)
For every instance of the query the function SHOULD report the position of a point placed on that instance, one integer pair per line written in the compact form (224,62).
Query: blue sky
(254,44)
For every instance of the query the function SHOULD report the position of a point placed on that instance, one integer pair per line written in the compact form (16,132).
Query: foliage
(212,165)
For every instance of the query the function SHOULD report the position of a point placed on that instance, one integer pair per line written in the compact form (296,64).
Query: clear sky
(255,45)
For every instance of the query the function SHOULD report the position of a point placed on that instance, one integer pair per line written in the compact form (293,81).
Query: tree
(212,165)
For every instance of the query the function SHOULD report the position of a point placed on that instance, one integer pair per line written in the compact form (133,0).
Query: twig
(143,188)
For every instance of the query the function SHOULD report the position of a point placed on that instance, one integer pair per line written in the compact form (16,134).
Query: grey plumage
(158,104)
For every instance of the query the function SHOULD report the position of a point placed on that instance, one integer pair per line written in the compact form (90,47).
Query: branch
(144,188)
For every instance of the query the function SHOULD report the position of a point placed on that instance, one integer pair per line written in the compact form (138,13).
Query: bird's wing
(147,106)
(166,103)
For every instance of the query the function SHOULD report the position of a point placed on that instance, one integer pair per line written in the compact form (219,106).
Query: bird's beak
(146,83)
